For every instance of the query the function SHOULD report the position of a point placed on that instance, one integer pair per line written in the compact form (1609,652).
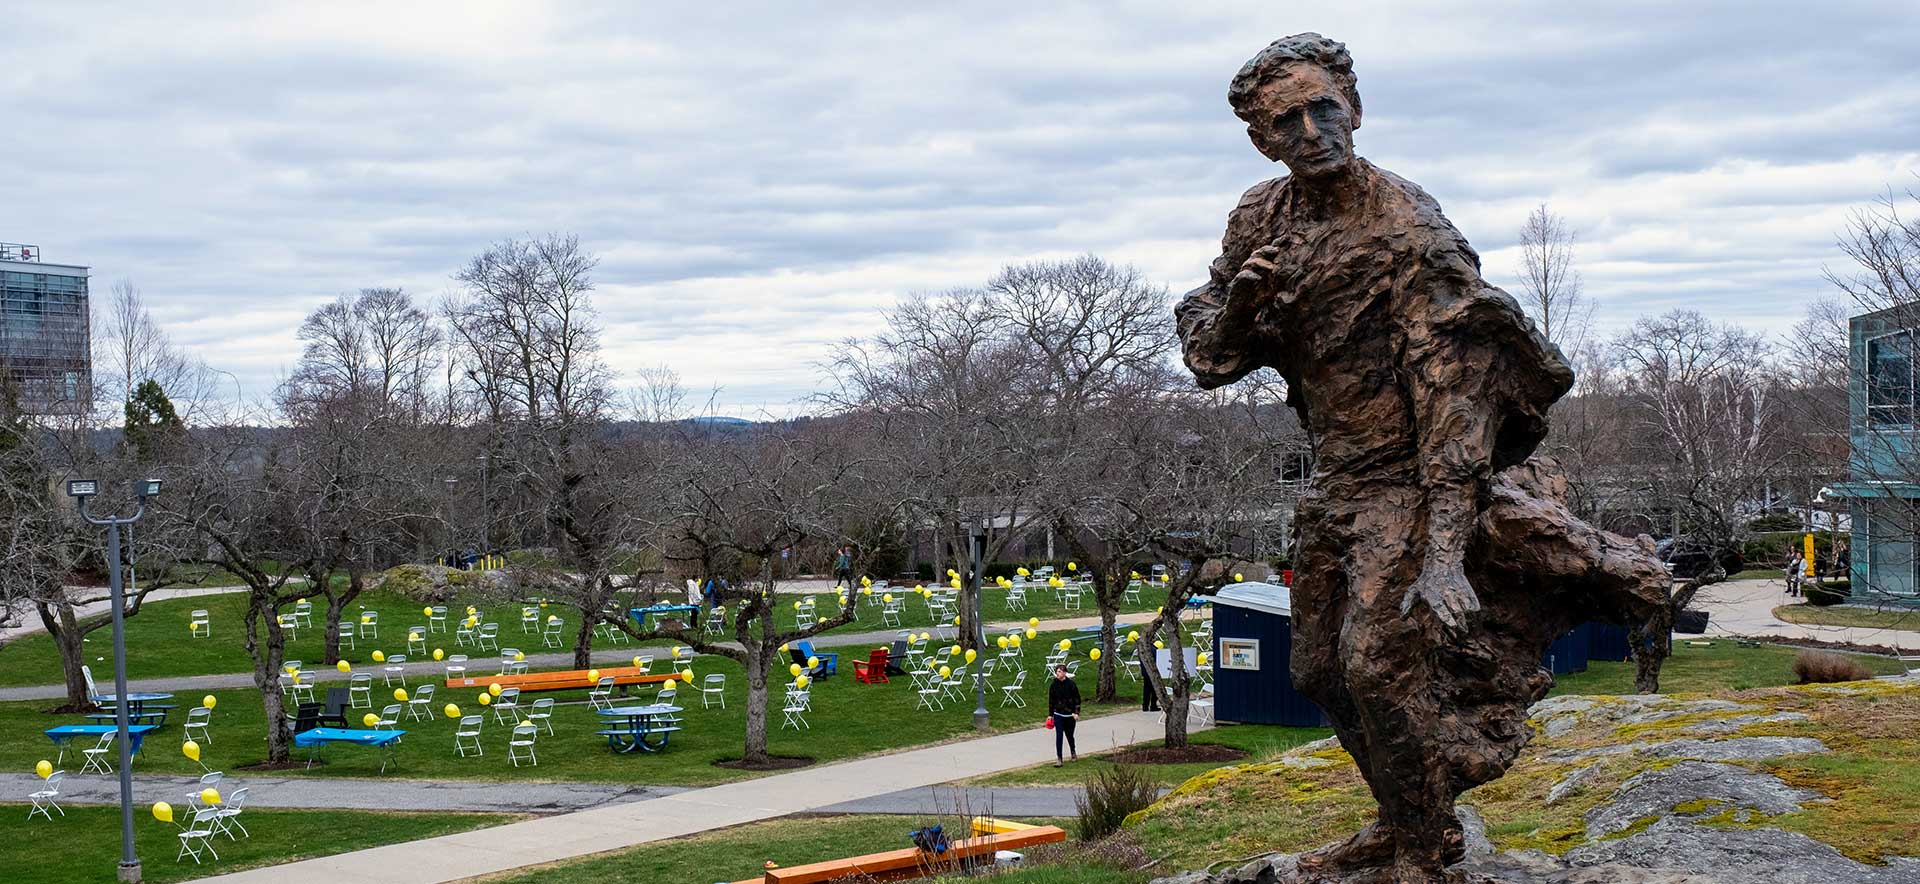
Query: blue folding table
(315,738)
(639,615)
(60,735)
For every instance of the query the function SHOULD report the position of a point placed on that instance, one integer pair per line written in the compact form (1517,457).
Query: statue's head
(1300,102)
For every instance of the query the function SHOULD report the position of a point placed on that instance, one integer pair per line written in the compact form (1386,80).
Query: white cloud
(760,180)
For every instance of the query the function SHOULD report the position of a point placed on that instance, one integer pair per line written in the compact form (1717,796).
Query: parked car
(1688,559)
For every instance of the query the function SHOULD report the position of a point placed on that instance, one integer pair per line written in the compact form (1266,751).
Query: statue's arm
(1219,335)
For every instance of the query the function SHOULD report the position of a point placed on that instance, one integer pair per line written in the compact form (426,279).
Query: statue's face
(1301,118)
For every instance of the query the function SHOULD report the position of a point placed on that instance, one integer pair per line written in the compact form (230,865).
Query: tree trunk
(583,642)
(1105,689)
(336,607)
(64,627)
(758,655)
(266,675)
(1652,643)
(1174,699)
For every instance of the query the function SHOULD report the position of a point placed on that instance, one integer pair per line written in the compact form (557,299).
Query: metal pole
(486,513)
(129,863)
(976,543)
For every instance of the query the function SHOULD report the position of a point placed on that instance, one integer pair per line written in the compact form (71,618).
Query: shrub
(1111,795)
(1832,593)
(1821,667)
(1775,522)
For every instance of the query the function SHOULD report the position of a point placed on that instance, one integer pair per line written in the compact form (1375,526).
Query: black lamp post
(976,549)
(82,489)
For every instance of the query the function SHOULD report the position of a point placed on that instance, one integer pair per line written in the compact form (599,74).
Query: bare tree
(1550,283)
(131,347)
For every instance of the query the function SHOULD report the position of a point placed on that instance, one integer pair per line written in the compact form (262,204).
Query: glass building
(44,347)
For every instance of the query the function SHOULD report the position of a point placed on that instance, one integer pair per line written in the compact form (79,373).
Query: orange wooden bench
(564,680)
(989,835)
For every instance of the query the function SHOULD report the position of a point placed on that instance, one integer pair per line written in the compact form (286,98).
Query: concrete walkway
(1745,608)
(610,827)
(420,670)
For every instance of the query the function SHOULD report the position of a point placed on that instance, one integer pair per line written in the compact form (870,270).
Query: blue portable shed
(1252,658)
(1607,642)
(1568,653)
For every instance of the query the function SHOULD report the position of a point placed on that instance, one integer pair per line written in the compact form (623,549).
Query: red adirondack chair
(872,670)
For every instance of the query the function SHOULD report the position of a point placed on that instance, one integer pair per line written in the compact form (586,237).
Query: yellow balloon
(1001,641)
(802,681)
(1159,644)
(485,698)
(369,719)
(494,689)
(1013,640)
(379,656)
(686,675)
(1033,621)
(796,606)
(44,768)
(1023,572)
(1133,636)
(793,669)
(1065,643)
(1032,633)
(413,636)
(451,710)
(519,656)
(593,675)
(1073,566)
(812,662)
(209,701)
(400,695)
(925,635)
(956,619)
(954,650)
(1201,659)
(886,597)
(439,654)
(190,749)
(209,795)
(971,654)
(426,612)
(670,684)
(1093,654)
(783,649)
(676,651)
(866,590)
(472,610)
(952,573)
(955,583)
(946,671)
(636,662)
(163,811)
(343,666)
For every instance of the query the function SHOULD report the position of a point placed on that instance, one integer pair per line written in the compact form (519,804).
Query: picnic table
(145,706)
(635,727)
(563,680)
(639,615)
(60,735)
(319,737)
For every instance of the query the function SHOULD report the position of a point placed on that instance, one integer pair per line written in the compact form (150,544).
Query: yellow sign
(1809,545)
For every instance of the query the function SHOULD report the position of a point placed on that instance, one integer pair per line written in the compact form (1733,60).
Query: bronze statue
(1435,561)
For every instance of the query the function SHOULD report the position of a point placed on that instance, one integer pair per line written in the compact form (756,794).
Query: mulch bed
(1196,752)
(777,762)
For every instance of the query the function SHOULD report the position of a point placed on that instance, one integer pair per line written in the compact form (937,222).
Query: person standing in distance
(1063,704)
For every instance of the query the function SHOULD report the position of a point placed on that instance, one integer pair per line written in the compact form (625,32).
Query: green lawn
(160,645)
(1259,741)
(1848,615)
(849,719)
(1724,665)
(742,852)
(83,847)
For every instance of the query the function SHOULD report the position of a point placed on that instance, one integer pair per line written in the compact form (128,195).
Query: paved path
(1745,608)
(418,671)
(609,827)
(482,796)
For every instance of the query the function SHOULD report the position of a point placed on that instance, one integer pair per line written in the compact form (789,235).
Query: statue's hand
(1252,284)
(1444,588)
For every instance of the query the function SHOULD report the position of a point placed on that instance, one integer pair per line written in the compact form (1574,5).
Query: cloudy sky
(762,180)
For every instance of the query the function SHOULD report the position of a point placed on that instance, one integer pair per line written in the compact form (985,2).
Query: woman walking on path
(843,568)
(1063,705)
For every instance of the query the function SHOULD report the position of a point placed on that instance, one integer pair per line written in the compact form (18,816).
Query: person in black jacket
(1063,703)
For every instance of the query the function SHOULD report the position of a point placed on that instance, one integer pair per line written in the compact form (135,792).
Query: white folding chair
(489,637)
(396,668)
(197,720)
(437,618)
(346,636)
(467,735)
(456,666)
(550,634)
(389,717)
(227,815)
(360,691)
(303,613)
(200,625)
(522,739)
(712,687)
(47,798)
(506,707)
(795,710)
(209,780)
(369,624)
(716,621)
(194,838)
(1200,709)
(541,712)
(1010,692)
(646,663)
(601,696)
(420,704)
(99,759)
(417,640)
(890,615)
(289,624)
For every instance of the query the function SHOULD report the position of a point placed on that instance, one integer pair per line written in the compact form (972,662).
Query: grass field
(1258,740)
(160,645)
(83,847)
(1848,615)
(1724,665)
(849,719)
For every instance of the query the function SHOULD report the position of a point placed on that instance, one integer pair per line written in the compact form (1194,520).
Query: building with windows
(1882,488)
(44,337)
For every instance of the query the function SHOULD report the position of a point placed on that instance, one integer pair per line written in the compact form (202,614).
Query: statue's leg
(1530,532)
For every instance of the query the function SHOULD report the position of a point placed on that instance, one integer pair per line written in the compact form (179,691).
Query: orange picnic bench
(564,680)
(989,835)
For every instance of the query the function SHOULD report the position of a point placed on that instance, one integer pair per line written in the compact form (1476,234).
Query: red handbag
(1049,723)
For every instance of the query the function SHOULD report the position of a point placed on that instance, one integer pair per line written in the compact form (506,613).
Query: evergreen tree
(151,423)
